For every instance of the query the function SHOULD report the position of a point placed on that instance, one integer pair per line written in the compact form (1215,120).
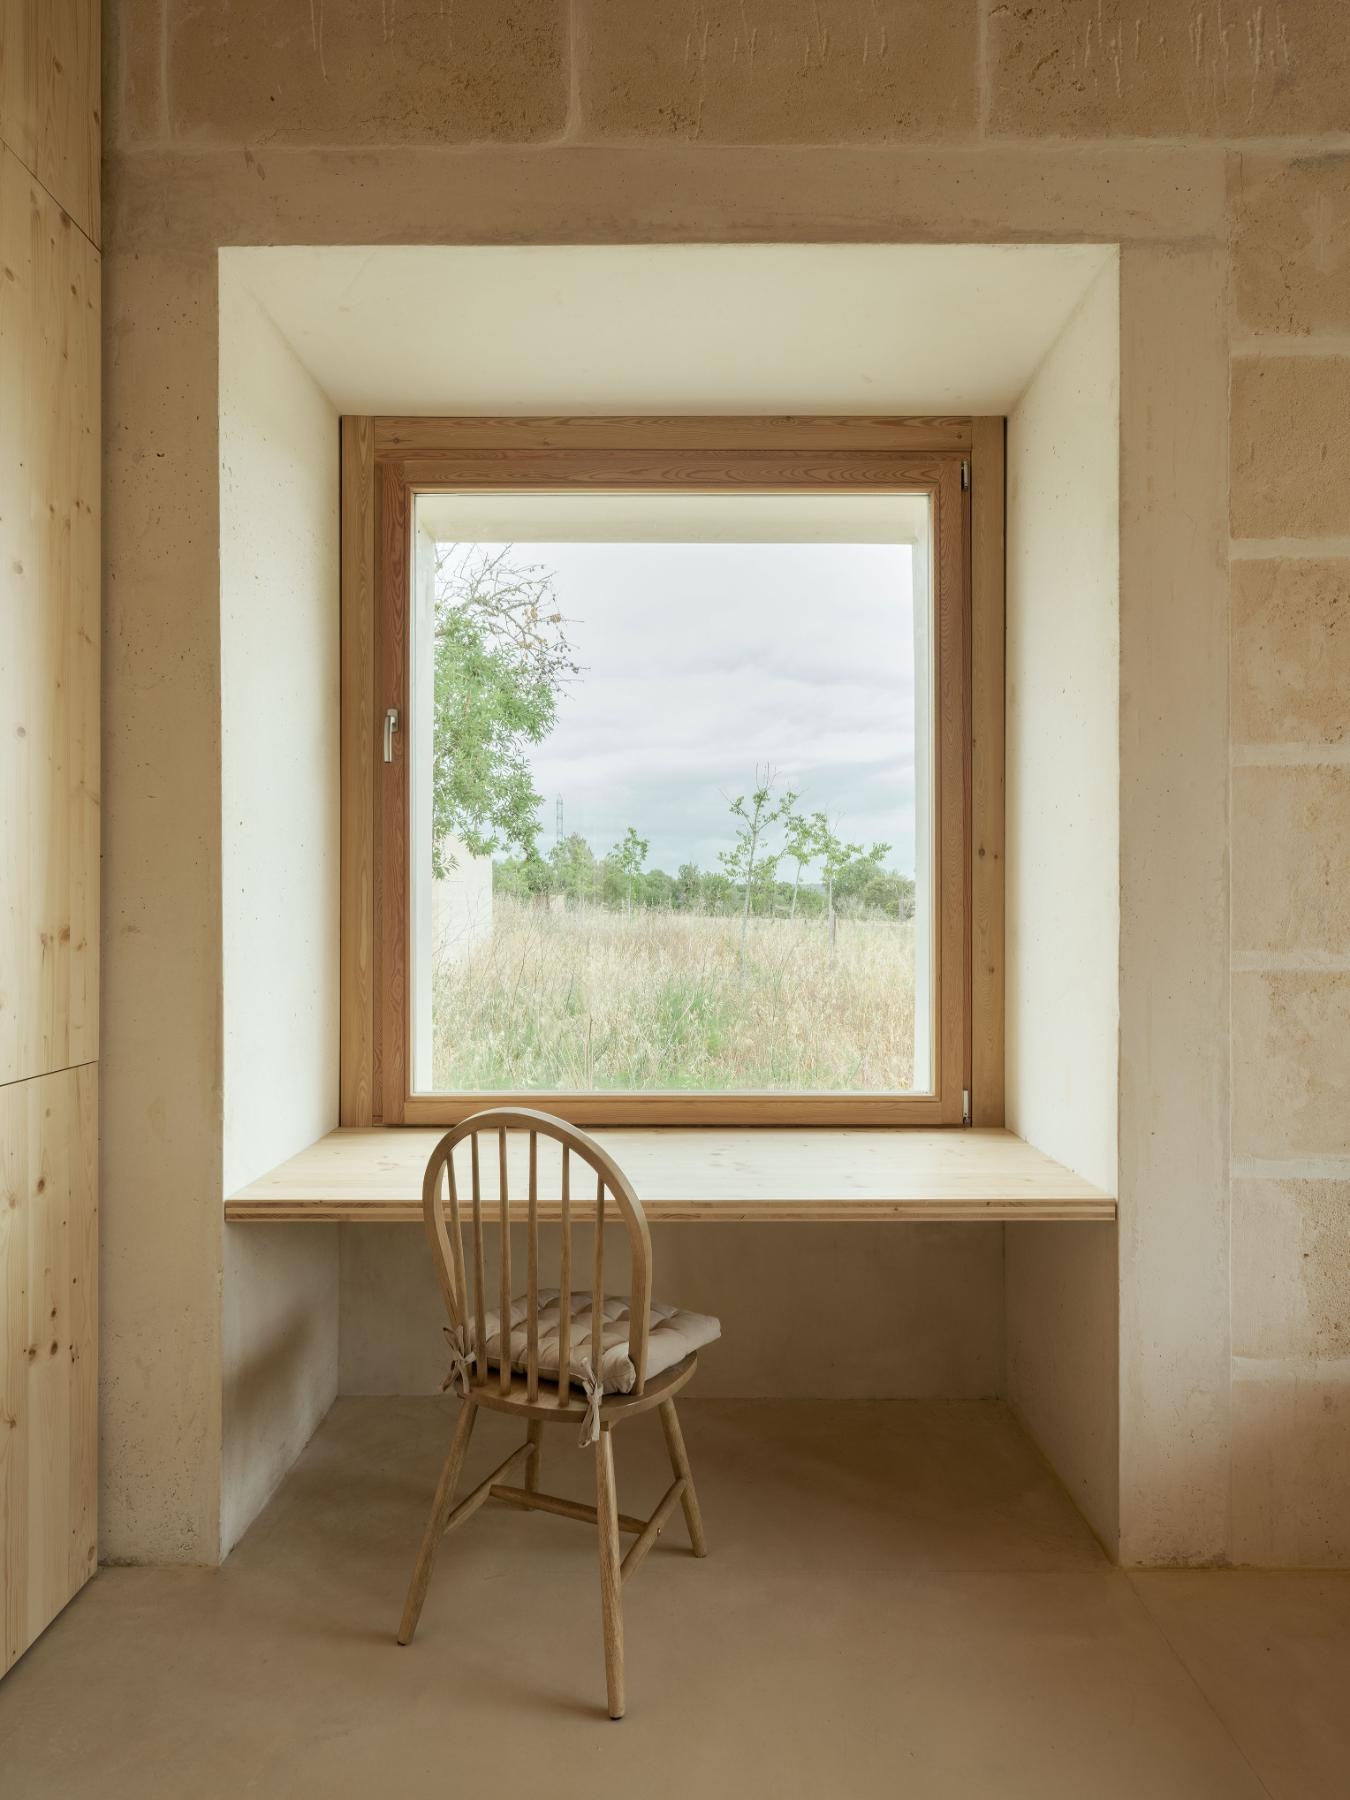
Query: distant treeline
(572,870)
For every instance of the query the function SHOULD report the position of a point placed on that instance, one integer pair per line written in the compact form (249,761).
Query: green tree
(802,845)
(501,656)
(888,894)
(526,877)
(811,902)
(628,857)
(749,860)
(835,856)
(688,887)
(716,893)
(573,863)
(859,876)
(658,890)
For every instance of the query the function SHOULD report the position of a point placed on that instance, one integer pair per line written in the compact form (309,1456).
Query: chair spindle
(532,1276)
(565,1281)
(504,1233)
(479,1303)
(598,1284)
(456,1247)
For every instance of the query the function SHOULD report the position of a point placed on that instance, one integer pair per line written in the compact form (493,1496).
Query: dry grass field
(585,998)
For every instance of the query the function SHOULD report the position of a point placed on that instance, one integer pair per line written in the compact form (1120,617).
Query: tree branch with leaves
(629,857)
(835,857)
(501,657)
(749,858)
(802,845)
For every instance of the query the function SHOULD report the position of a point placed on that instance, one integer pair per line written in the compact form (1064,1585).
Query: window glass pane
(671,793)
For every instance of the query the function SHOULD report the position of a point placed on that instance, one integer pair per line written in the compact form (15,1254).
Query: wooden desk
(375,1177)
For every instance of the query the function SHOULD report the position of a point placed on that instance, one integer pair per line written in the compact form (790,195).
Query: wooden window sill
(754,1173)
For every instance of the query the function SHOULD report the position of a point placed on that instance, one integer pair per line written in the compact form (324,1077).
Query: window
(657,770)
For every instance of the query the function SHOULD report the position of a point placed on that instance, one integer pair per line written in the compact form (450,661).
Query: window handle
(390,727)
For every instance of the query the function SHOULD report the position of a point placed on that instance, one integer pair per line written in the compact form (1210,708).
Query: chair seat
(672,1334)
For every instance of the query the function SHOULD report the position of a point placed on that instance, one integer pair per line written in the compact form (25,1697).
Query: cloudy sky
(703,661)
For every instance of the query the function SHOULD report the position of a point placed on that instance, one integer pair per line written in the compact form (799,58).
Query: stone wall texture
(1212,141)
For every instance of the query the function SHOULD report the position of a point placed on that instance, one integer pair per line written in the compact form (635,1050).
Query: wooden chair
(545,1399)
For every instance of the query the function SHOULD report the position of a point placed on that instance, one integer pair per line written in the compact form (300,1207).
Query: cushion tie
(595,1389)
(462,1359)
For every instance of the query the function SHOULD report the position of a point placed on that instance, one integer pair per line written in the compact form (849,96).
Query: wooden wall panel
(48,1348)
(49,809)
(49,654)
(49,99)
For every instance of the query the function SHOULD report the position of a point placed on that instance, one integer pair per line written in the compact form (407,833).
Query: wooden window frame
(959,462)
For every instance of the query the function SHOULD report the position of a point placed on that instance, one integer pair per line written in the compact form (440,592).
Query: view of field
(671,818)
(576,997)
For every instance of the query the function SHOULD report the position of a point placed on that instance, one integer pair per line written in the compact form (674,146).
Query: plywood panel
(48,1345)
(49,98)
(49,650)
(708,1174)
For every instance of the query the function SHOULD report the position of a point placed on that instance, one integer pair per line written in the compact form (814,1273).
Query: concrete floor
(899,1600)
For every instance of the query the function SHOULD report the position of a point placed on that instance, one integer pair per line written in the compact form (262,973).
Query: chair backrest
(449,1212)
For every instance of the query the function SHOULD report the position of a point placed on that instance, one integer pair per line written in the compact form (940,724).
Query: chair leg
(440,1512)
(679,1464)
(611,1581)
(534,1434)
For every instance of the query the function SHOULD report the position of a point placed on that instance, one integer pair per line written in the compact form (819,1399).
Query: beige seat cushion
(671,1336)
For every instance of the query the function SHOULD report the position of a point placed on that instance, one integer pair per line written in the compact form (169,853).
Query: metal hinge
(965,1106)
(965,476)
(390,727)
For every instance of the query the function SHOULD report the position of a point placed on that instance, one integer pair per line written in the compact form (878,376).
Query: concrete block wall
(1290,731)
(1212,141)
